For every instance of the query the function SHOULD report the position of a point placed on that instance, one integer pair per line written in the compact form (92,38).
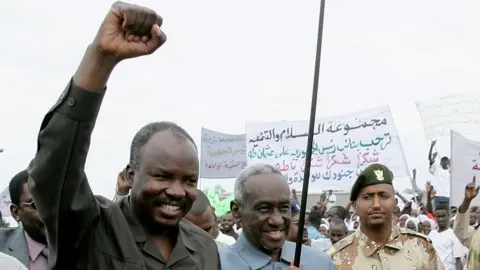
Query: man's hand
(129,31)
(414,172)
(428,188)
(471,190)
(323,198)
(1,150)
(432,144)
(123,188)
(292,267)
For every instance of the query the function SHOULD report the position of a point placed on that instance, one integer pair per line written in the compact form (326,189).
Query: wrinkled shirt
(244,256)
(405,250)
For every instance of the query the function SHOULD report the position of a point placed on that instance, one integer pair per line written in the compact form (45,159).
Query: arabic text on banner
(343,146)
(460,113)
(222,155)
(464,164)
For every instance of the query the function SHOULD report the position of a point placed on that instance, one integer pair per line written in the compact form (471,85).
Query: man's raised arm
(57,181)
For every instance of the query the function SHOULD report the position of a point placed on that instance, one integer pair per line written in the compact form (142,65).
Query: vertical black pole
(308,158)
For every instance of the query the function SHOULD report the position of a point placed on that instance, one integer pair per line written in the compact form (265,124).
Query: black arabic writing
(322,128)
(296,177)
(267,152)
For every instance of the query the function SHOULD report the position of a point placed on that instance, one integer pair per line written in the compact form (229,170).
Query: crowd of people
(160,220)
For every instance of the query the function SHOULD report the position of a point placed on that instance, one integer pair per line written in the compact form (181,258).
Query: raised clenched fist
(129,31)
(471,190)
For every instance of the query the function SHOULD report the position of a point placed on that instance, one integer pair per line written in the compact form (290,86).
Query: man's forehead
(377,188)
(267,185)
(339,227)
(168,143)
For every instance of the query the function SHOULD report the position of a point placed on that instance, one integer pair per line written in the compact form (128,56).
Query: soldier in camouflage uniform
(377,244)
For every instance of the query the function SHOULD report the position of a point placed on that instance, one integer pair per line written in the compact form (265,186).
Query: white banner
(222,155)
(343,147)
(464,164)
(460,113)
(5,203)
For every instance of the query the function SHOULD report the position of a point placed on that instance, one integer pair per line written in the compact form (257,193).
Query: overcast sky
(228,62)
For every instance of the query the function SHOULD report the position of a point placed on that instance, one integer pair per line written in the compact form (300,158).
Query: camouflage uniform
(405,250)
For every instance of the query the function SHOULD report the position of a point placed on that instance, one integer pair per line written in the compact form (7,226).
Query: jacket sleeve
(462,229)
(58,183)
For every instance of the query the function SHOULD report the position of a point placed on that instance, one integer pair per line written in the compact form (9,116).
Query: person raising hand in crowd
(144,230)
(467,235)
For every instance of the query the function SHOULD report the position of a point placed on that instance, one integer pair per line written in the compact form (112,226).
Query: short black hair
(145,133)
(201,204)
(444,159)
(441,207)
(315,218)
(341,211)
(337,221)
(16,186)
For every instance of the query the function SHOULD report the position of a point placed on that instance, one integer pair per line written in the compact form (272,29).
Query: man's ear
(354,205)
(235,208)
(129,174)
(14,212)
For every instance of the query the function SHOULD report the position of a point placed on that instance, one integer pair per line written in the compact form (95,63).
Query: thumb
(292,266)
(157,40)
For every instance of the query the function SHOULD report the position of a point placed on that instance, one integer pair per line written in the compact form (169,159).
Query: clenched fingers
(138,21)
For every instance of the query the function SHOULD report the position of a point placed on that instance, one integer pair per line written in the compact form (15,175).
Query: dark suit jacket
(13,243)
(89,232)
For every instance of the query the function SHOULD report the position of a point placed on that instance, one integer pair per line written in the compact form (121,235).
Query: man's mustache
(161,201)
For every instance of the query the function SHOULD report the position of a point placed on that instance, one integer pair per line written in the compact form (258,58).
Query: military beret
(294,207)
(372,175)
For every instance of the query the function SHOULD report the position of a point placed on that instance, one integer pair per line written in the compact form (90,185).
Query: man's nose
(376,202)
(176,189)
(276,219)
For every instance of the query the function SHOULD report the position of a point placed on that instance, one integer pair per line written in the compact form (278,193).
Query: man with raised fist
(144,230)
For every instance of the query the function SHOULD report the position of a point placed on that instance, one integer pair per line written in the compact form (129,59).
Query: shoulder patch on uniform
(341,244)
(415,233)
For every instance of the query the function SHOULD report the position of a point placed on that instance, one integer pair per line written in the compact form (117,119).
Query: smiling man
(378,244)
(227,225)
(262,202)
(146,229)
